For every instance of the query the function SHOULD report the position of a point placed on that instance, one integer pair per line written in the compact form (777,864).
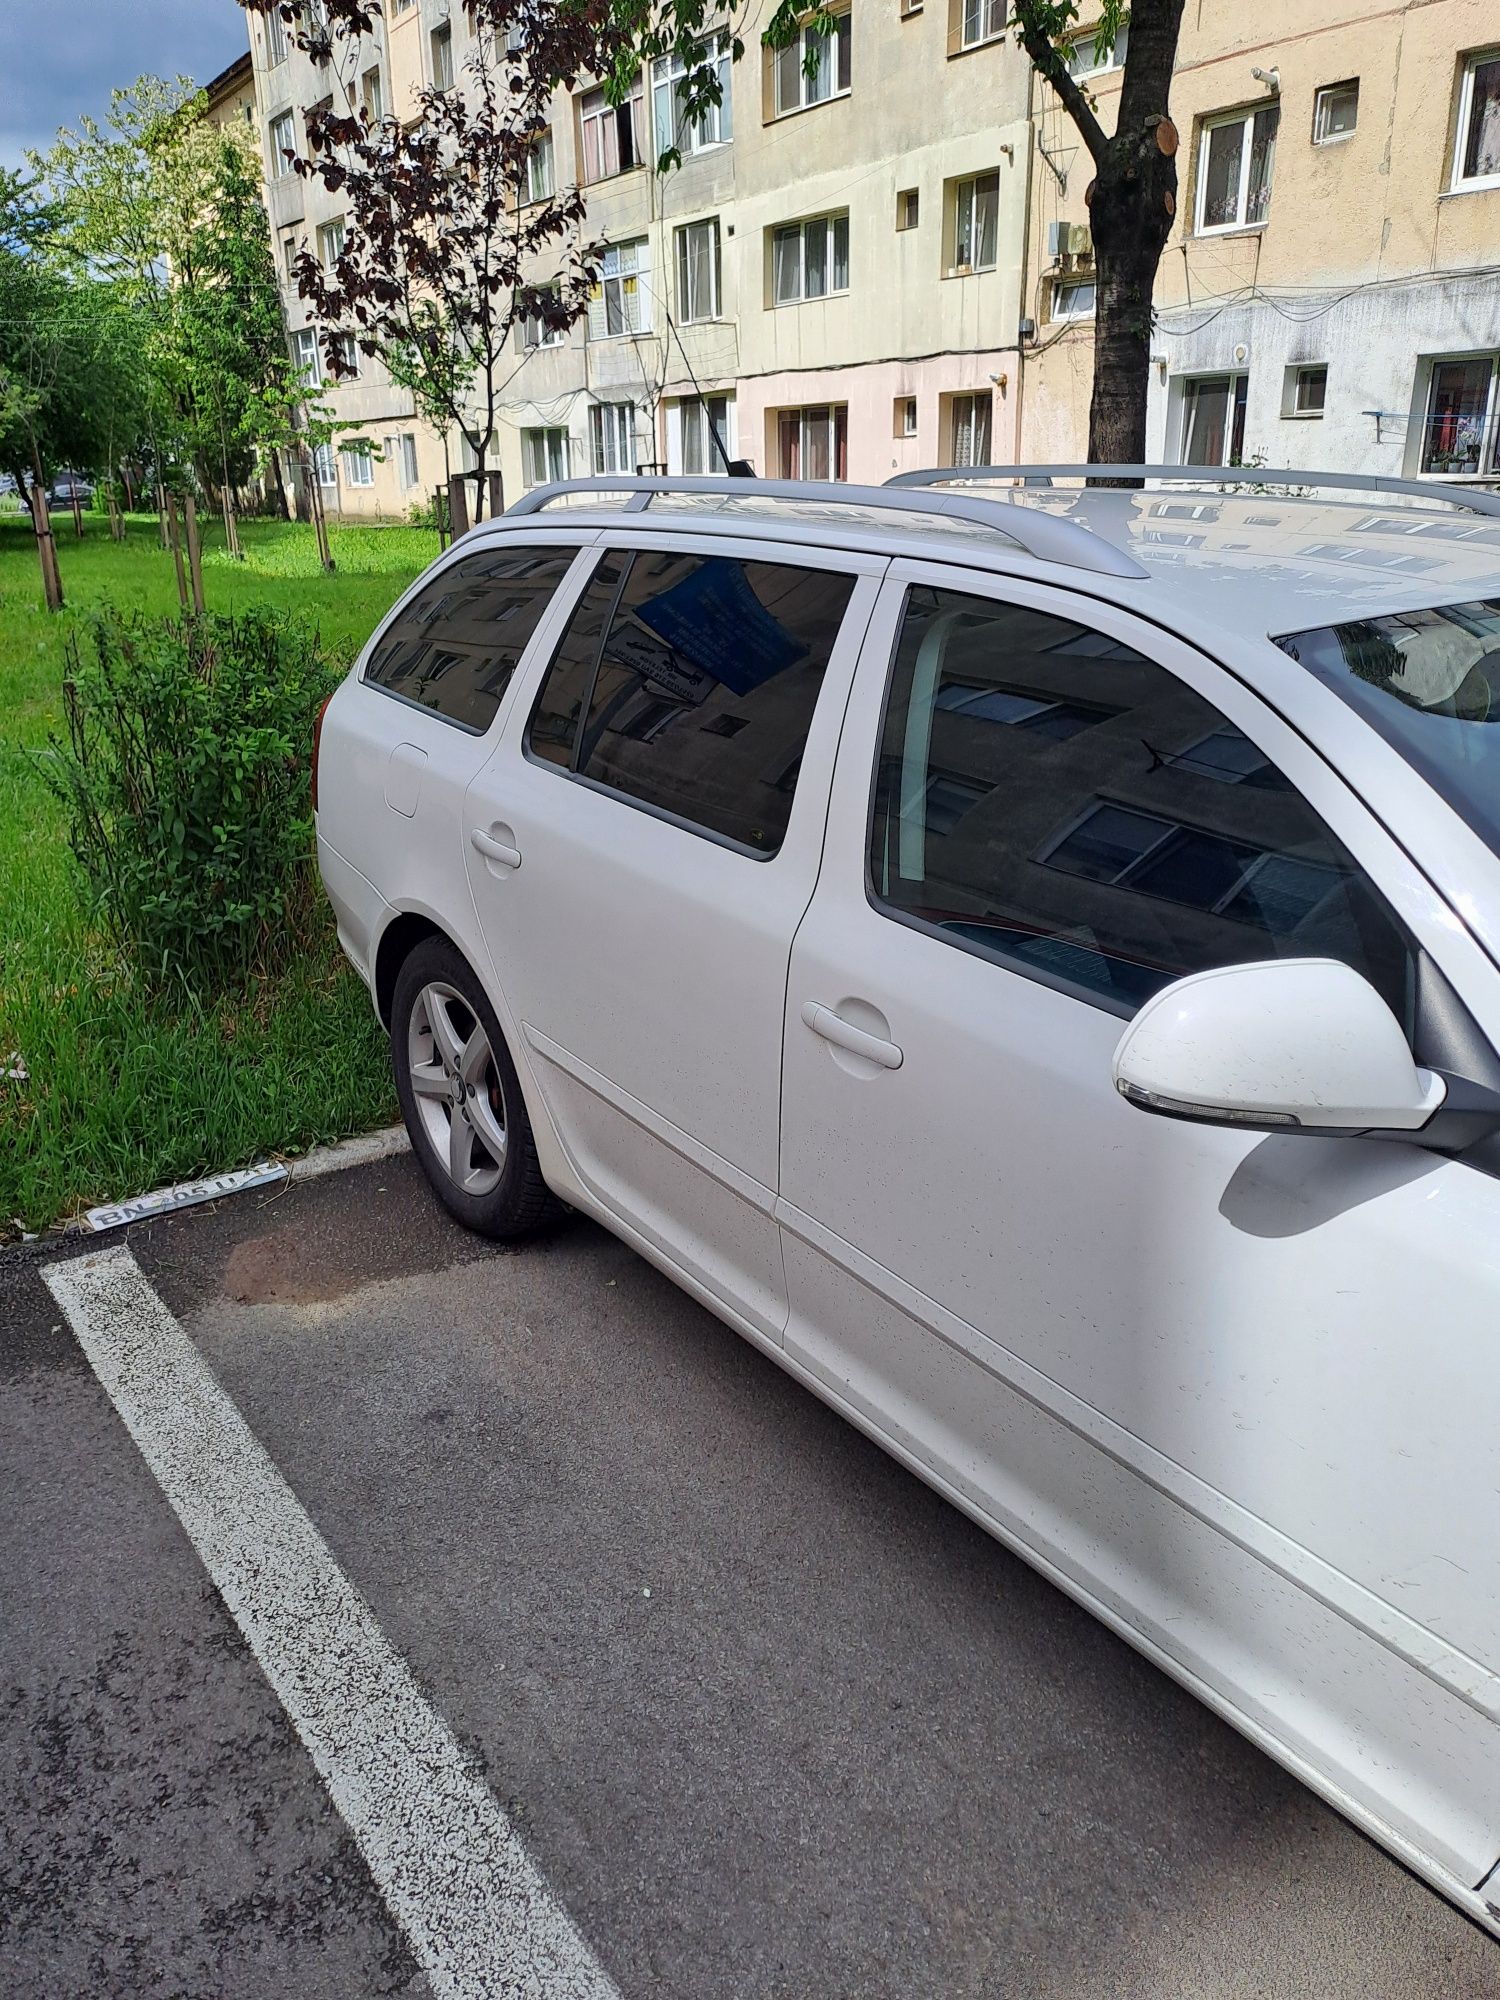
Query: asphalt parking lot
(769,1719)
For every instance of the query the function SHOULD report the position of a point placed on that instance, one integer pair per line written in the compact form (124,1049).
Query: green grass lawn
(120,1094)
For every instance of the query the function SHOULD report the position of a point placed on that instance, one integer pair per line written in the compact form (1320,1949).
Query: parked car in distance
(68,487)
(1031,964)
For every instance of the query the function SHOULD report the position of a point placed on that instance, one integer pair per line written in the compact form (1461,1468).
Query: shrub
(185,779)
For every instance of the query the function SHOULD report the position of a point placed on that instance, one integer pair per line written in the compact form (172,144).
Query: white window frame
(833,76)
(980,21)
(825,417)
(908,417)
(283,121)
(372,93)
(1190,387)
(971,402)
(1462,183)
(1296,375)
(536,334)
(331,239)
(606,120)
(290,251)
(541,176)
(275,39)
(306,358)
(325,466)
(545,453)
(693,311)
(350,345)
(1080,66)
(359,465)
(625,273)
(441,38)
(1488,452)
(1060,308)
(829,224)
(612,438)
(411,474)
(966,196)
(1245,117)
(669,128)
(1323,98)
(693,440)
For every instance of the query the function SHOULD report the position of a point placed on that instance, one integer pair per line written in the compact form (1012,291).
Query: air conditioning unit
(1071,242)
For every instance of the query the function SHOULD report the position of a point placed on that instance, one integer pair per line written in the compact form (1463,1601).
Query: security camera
(1271,78)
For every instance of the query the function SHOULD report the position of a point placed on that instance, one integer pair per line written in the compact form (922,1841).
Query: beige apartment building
(887,264)
(1330,295)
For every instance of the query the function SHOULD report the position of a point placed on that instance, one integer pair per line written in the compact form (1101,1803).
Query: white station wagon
(1029,961)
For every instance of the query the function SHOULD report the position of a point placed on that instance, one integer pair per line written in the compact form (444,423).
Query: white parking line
(450,1866)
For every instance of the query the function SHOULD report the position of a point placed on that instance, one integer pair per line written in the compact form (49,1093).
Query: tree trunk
(194,549)
(77,510)
(1132,203)
(175,544)
(163,524)
(46,546)
(116,523)
(282,501)
(315,508)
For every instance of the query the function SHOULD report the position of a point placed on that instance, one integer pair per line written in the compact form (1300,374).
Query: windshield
(1429,681)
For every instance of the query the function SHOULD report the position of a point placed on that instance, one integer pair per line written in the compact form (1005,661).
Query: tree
(443,253)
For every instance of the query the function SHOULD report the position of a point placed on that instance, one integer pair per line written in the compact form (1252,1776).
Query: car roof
(1261,562)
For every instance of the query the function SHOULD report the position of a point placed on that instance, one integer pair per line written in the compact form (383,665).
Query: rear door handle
(493,849)
(834,1028)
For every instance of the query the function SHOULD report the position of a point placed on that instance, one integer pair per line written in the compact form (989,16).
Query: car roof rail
(1475,501)
(1047,537)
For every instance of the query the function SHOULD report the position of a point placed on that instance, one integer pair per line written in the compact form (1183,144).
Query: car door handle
(495,850)
(843,1034)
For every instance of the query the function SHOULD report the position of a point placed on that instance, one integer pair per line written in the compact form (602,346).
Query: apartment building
(828,286)
(404,458)
(1331,291)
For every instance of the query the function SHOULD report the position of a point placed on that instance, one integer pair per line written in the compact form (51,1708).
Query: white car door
(1238,1392)
(644,844)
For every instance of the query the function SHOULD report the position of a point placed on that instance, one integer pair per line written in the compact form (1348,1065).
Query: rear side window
(456,645)
(1049,797)
(688,683)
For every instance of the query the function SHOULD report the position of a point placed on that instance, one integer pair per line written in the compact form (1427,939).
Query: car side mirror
(1287,1045)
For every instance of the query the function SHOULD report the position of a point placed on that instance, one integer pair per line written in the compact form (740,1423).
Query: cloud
(63,57)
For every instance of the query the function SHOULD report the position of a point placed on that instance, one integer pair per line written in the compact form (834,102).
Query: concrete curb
(357,1152)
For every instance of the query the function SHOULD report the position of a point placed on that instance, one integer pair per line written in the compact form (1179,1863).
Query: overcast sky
(62,57)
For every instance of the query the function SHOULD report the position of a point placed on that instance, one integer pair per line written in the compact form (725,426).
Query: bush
(186,782)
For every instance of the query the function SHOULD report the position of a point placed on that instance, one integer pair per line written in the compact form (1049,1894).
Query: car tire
(461,1098)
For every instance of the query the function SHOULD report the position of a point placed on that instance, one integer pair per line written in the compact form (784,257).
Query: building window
(813,67)
(331,243)
(325,466)
(969,429)
(976,223)
(1335,112)
(814,444)
(620,302)
(401,452)
(810,259)
(535,332)
(612,436)
(359,465)
(544,456)
(704,420)
(611,134)
(1213,419)
(1086,59)
(977,21)
(674,130)
(289,258)
(540,179)
(347,349)
(275,39)
(442,57)
(1461,431)
(1307,390)
(1235,159)
(698,271)
(305,355)
(373,94)
(908,207)
(1073,298)
(1476,160)
(283,143)
(905,425)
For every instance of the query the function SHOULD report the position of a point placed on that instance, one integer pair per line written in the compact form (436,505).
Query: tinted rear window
(689,683)
(456,645)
